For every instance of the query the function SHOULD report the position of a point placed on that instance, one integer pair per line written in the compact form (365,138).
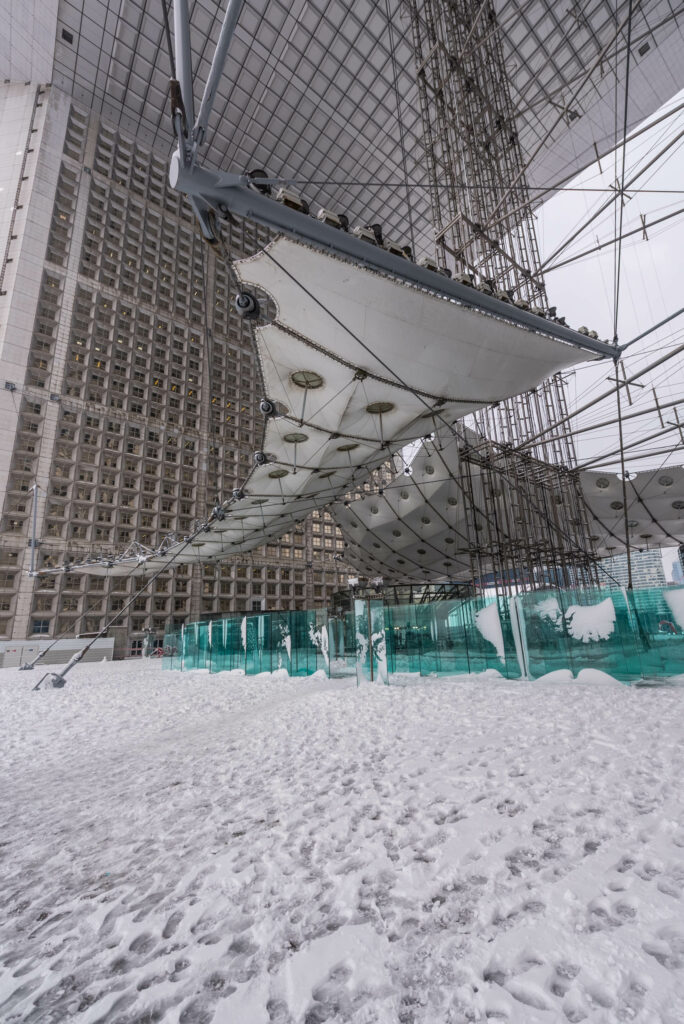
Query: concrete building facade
(129,386)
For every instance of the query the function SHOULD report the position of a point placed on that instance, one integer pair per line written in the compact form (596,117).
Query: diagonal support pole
(216,70)
(181,32)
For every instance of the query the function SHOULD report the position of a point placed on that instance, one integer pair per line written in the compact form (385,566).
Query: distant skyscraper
(678,566)
(647,569)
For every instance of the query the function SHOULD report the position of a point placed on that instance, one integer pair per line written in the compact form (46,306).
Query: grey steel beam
(234,194)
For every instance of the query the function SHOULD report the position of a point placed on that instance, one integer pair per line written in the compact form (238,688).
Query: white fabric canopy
(655,509)
(422,526)
(357,365)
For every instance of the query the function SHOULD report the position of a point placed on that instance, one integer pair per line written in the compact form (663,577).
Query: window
(40,627)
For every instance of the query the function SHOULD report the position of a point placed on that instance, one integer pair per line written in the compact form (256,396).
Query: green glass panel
(281,641)
(204,645)
(627,635)
(172,651)
(581,629)
(195,645)
(321,647)
(226,649)
(494,636)
(403,640)
(342,643)
(189,645)
(378,642)
(362,639)
(659,616)
(304,651)
(466,635)
(371,642)
(256,644)
(310,643)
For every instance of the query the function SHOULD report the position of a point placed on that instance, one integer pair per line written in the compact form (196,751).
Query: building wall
(29,161)
(27,39)
(136,401)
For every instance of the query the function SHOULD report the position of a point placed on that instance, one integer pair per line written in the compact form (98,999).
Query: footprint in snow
(143,943)
(630,999)
(197,1011)
(667,947)
(670,888)
(172,924)
(510,807)
(529,994)
(522,859)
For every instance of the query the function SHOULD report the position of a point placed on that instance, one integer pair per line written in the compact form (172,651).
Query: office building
(129,387)
(647,569)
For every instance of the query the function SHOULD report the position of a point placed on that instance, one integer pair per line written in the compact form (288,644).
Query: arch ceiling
(425,526)
(310,88)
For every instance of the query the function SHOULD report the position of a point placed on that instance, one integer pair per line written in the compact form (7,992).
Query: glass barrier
(261,642)
(403,640)
(342,644)
(196,650)
(592,628)
(629,635)
(659,616)
(371,641)
(451,638)
(171,651)
(227,651)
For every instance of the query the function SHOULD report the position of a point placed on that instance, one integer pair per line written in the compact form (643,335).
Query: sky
(650,286)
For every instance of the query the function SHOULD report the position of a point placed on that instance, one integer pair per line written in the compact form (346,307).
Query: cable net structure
(484,225)
(472,148)
(436,135)
(473,512)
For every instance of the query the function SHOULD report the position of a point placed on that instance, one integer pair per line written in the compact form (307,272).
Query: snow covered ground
(193,848)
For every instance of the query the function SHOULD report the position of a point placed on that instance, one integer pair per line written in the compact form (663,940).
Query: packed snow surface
(193,848)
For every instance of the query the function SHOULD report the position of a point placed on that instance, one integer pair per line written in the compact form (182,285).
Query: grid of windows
(156,407)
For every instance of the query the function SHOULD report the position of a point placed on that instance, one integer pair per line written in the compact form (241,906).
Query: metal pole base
(26,667)
(50,681)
